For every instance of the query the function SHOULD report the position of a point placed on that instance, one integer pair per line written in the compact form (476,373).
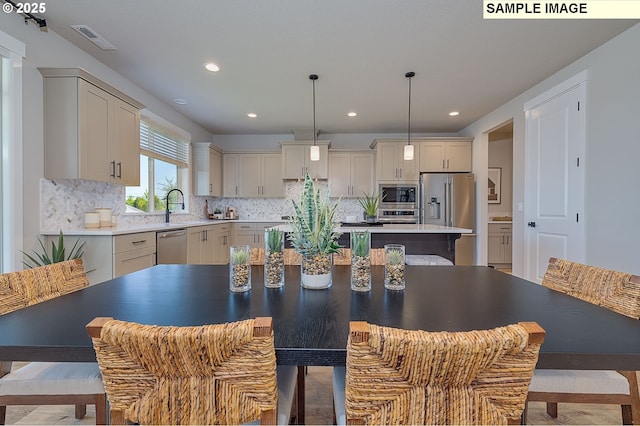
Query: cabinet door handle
(119,169)
(443,167)
(447,164)
(113,169)
(400,172)
(210,188)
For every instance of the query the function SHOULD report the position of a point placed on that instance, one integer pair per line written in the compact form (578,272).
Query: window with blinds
(159,143)
(164,162)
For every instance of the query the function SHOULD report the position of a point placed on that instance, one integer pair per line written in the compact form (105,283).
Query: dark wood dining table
(311,326)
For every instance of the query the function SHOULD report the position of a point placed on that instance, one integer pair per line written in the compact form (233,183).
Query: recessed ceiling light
(454,113)
(352,114)
(252,115)
(212,67)
(180,101)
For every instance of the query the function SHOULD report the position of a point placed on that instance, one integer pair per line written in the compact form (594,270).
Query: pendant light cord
(409,75)
(313,78)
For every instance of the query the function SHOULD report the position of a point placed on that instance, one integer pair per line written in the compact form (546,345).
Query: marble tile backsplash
(63,203)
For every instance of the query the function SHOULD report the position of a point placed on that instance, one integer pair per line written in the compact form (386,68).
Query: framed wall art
(495,185)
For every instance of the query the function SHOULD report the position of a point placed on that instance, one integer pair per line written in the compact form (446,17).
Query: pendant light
(408,148)
(314,151)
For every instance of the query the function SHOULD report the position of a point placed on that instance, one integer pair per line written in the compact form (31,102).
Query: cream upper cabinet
(252,175)
(390,163)
(207,170)
(445,155)
(296,160)
(350,173)
(92,130)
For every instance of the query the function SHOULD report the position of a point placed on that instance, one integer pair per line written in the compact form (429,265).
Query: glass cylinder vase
(360,243)
(315,271)
(273,258)
(239,268)
(394,267)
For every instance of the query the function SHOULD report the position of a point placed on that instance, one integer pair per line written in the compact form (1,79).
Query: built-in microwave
(398,196)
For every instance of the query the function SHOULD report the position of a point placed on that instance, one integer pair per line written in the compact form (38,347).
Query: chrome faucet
(166,210)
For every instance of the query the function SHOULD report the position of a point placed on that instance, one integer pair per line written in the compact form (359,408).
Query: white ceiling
(360,49)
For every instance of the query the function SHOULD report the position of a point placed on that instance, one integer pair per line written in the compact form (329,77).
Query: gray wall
(612,199)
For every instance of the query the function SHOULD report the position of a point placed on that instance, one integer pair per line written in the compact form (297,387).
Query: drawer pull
(138,242)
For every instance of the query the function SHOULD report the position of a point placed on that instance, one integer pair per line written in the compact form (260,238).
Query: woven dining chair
(377,256)
(292,257)
(209,374)
(343,257)
(396,376)
(617,291)
(48,383)
(256,256)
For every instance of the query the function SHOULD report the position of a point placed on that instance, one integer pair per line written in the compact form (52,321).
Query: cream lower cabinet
(250,233)
(106,257)
(133,252)
(350,174)
(91,130)
(208,244)
(252,175)
(499,244)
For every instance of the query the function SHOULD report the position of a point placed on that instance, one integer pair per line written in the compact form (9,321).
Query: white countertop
(398,229)
(152,227)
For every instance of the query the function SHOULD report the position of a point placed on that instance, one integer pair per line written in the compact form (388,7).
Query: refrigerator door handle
(447,207)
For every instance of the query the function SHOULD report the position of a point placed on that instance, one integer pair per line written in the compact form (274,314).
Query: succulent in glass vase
(273,258)
(313,235)
(240,268)
(360,261)
(394,266)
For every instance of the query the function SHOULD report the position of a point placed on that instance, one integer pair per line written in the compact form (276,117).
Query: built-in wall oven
(398,203)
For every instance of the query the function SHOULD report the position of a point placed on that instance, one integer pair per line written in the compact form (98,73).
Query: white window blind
(157,142)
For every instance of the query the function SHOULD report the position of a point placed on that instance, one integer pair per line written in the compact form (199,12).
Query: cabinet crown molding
(85,75)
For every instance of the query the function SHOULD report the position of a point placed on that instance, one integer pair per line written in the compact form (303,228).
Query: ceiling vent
(93,37)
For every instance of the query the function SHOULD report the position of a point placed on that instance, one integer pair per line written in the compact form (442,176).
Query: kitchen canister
(105,217)
(91,220)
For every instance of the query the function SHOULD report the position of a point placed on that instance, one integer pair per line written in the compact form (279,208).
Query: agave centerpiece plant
(313,234)
(273,258)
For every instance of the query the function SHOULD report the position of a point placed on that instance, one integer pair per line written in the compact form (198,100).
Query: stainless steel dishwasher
(171,246)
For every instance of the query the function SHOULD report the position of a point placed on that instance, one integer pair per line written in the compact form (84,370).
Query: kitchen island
(417,239)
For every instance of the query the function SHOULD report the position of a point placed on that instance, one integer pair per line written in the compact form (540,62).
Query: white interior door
(555,141)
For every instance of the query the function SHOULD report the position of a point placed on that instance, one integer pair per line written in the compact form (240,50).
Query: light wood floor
(319,409)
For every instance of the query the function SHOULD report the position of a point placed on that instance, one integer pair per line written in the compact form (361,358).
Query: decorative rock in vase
(360,261)
(239,268)
(273,258)
(394,267)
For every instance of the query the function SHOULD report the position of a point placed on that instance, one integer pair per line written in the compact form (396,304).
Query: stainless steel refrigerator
(448,199)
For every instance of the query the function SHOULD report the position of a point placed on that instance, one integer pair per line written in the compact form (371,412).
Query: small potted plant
(313,235)
(273,258)
(370,204)
(217,214)
(360,261)
(239,268)
(394,267)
